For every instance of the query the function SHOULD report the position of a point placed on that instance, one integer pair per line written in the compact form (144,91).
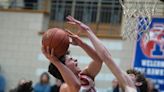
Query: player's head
(44,78)
(24,86)
(139,79)
(72,64)
(68,61)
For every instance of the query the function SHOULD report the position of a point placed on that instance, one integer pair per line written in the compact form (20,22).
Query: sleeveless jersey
(89,85)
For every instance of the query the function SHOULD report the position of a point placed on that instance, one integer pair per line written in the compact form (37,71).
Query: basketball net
(137,17)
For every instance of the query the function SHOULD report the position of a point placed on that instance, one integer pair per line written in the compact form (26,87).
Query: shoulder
(64,88)
(130,89)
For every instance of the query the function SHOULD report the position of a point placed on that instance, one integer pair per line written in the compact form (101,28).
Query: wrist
(83,44)
(57,64)
(88,29)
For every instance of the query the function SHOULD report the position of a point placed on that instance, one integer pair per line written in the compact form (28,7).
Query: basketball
(57,39)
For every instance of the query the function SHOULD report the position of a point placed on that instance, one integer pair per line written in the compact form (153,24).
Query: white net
(137,17)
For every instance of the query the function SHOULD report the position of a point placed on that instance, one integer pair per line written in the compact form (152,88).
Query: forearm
(68,76)
(106,57)
(100,49)
(94,66)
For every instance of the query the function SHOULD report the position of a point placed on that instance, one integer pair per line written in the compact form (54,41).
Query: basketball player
(66,68)
(132,81)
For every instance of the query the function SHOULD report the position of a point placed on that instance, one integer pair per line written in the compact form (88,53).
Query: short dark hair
(52,69)
(139,78)
(26,87)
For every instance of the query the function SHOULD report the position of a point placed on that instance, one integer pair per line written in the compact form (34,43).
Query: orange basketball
(57,39)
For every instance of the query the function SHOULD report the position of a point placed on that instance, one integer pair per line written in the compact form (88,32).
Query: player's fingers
(71,42)
(70,22)
(73,37)
(48,50)
(69,32)
(43,50)
(78,32)
(52,52)
(70,18)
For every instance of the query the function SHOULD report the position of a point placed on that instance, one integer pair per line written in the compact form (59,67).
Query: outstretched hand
(81,26)
(75,39)
(49,53)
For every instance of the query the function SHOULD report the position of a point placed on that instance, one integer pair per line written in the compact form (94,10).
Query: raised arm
(67,74)
(95,66)
(104,54)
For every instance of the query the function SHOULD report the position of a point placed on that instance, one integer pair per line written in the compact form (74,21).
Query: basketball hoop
(137,17)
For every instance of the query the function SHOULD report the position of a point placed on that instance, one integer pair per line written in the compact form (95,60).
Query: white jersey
(89,85)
